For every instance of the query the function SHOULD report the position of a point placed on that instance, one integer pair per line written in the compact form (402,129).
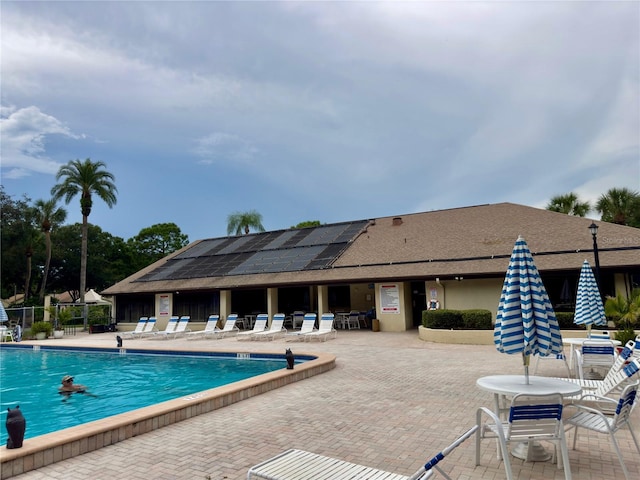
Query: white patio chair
(6,335)
(229,329)
(149,328)
(259,326)
(559,357)
(142,322)
(595,420)
(308,326)
(531,418)
(169,328)
(210,327)
(275,330)
(325,329)
(353,320)
(295,464)
(595,356)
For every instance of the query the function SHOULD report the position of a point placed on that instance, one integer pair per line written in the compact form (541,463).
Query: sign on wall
(390,298)
(164,304)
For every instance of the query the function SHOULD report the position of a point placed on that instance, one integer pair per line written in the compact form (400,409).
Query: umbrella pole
(525,362)
(589,331)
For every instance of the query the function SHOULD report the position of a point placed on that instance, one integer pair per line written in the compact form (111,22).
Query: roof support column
(225,304)
(272,302)
(323,299)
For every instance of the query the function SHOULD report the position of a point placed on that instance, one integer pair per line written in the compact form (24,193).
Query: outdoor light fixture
(593,228)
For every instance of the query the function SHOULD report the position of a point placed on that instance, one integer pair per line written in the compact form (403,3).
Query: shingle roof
(471,241)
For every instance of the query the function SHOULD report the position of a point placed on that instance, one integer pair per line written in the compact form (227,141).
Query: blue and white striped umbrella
(589,308)
(526,322)
(3,314)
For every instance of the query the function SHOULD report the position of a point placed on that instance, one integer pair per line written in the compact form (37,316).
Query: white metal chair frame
(210,327)
(531,417)
(599,355)
(294,464)
(142,323)
(595,420)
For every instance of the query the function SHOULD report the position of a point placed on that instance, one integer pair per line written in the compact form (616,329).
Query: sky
(330,111)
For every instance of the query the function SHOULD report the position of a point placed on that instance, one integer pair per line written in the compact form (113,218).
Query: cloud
(220,147)
(24,134)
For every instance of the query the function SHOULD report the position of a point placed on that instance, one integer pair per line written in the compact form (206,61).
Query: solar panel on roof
(270,252)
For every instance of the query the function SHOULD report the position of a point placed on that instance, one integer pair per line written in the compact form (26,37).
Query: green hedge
(457,319)
(565,320)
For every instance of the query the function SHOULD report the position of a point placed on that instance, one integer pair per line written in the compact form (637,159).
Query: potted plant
(41,330)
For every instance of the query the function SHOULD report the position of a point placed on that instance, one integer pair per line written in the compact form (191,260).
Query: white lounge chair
(210,327)
(259,326)
(597,356)
(229,330)
(182,328)
(162,334)
(531,417)
(142,322)
(325,329)
(149,329)
(275,330)
(597,421)
(308,326)
(295,464)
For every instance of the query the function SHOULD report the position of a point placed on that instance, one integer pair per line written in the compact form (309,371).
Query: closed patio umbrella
(526,322)
(3,314)
(589,309)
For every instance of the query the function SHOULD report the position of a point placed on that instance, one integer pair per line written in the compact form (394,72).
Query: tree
(239,221)
(569,204)
(49,216)
(308,223)
(621,206)
(625,311)
(156,242)
(85,178)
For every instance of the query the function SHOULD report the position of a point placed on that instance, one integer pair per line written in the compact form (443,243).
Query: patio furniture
(531,417)
(259,326)
(209,328)
(275,330)
(325,329)
(142,322)
(595,420)
(595,356)
(308,326)
(296,464)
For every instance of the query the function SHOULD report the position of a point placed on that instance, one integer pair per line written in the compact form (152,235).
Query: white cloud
(24,133)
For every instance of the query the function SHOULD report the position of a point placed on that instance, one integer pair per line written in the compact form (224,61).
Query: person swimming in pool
(68,387)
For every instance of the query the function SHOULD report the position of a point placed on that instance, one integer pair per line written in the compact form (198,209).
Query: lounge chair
(142,322)
(169,328)
(149,329)
(275,330)
(325,329)
(295,464)
(259,326)
(210,327)
(308,326)
(182,328)
(595,355)
(597,421)
(229,330)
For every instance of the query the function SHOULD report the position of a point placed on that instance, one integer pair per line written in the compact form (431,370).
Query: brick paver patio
(392,402)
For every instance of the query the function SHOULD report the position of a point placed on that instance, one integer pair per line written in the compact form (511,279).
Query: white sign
(164,304)
(390,298)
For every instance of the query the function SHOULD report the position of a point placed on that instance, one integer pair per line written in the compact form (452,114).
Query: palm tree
(49,215)
(85,178)
(619,205)
(239,221)
(569,204)
(626,312)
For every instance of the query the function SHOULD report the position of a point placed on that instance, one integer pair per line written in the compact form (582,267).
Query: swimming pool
(120,382)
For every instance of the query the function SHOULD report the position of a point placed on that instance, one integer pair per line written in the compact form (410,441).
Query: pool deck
(392,402)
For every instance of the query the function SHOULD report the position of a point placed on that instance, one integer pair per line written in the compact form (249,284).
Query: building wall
(467,294)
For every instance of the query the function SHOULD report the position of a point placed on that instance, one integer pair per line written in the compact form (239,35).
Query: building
(393,264)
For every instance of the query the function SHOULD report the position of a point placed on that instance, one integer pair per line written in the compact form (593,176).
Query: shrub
(565,320)
(38,327)
(457,319)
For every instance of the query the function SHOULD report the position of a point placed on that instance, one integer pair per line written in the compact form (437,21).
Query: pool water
(120,382)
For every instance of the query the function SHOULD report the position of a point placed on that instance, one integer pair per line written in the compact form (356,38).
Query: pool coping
(53,447)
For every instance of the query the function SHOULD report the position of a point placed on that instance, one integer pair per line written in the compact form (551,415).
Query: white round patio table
(510,385)
(579,341)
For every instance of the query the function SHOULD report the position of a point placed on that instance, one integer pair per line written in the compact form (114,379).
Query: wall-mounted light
(459,279)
